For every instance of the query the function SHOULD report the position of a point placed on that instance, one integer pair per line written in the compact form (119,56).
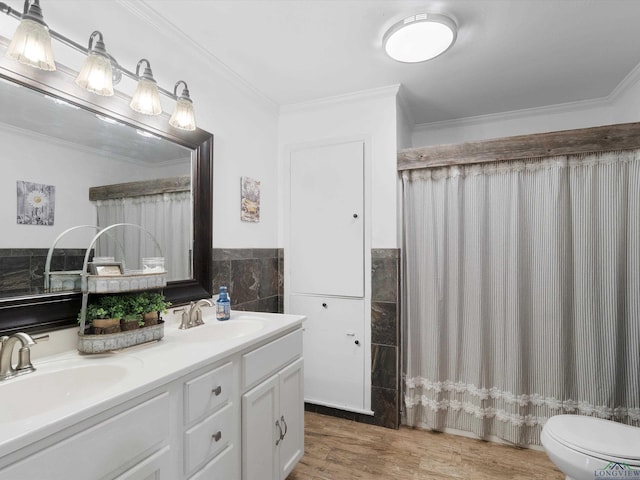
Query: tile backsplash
(22,269)
(254,277)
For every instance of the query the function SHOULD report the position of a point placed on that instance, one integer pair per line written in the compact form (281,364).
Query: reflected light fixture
(183,115)
(96,74)
(146,98)
(31,43)
(420,37)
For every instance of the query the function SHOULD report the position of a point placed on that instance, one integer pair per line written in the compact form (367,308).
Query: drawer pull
(281,436)
(324,305)
(217,391)
(217,436)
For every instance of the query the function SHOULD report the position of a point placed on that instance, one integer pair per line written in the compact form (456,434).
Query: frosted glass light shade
(31,45)
(146,98)
(96,75)
(420,37)
(183,115)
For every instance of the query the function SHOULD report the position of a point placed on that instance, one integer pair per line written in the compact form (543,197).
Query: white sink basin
(214,330)
(40,391)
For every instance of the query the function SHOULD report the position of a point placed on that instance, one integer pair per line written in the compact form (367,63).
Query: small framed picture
(106,269)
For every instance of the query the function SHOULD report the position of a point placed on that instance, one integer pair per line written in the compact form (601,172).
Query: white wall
(72,170)
(367,115)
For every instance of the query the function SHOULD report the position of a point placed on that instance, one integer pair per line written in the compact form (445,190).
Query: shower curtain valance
(624,136)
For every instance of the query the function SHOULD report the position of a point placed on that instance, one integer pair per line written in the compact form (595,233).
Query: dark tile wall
(22,269)
(254,277)
(385,344)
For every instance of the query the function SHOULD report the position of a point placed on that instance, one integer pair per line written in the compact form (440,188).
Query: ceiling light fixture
(183,115)
(31,45)
(420,37)
(96,74)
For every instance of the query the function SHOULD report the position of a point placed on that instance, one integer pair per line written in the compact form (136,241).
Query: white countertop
(138,369)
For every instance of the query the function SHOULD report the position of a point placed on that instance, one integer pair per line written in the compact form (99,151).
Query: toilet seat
(602,439)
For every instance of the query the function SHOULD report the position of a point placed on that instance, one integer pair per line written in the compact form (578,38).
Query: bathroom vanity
(219,401)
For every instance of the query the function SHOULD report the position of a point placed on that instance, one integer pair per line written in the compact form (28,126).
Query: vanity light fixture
(420,37)
(146,99)
(31,44)
(96,74)
(183,115)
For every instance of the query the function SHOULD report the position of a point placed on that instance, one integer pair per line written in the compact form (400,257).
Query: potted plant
(131,321)
(151,305)
(101,320)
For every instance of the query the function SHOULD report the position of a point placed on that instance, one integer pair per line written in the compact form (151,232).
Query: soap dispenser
(223,305)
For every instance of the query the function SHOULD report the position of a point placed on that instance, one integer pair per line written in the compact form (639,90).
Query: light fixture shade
(96,75)
(146,98)
(183,115)
(420,37)
(31,45)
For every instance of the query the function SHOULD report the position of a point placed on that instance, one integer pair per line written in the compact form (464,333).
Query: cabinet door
(291,416)
(260,408)
(333,350)
(327,220)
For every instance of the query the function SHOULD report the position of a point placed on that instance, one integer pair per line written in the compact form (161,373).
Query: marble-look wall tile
(384,371)
(384,323)
(22,269)
(252,276)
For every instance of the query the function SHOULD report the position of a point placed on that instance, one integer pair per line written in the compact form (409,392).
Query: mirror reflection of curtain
(166,216)
(521,287)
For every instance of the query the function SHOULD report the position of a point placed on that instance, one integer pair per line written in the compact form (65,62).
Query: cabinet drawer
(208,438)
(102,448)
(220,468)
(207,392)
(270,358)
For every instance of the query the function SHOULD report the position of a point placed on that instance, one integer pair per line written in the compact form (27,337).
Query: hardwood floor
(338,449)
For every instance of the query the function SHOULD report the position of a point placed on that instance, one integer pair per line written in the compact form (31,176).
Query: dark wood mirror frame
(54,311)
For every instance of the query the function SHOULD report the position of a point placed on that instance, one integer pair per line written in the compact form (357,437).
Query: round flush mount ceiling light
(420,37)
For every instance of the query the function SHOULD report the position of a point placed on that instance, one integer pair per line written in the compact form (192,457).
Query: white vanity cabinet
(273,409)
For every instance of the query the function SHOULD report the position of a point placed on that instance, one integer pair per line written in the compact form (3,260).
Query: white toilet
(586,448)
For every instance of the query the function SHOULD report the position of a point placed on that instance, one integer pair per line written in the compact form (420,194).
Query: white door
(333,350)
(327,220)
(291,416)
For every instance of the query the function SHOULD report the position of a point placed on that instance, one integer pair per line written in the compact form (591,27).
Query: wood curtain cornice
(144,187)
(625,136)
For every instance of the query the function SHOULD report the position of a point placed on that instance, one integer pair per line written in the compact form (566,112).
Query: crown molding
(145,12)
(515,115)
(632,78)
(370,94)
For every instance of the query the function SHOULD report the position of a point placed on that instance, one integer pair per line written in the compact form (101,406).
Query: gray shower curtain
(522,288)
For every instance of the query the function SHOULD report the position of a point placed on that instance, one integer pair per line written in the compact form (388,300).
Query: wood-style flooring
(338,449)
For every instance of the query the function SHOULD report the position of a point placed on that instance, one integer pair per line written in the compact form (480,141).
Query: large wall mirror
(71,158)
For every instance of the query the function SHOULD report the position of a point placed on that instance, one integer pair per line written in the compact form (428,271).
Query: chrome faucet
(24,365)
(192,315)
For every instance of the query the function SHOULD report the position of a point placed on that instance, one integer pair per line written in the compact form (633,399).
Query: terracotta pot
(150,318)
(129,325)
(102,326)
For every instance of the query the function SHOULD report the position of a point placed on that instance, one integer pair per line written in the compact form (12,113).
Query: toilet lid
(597,436)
